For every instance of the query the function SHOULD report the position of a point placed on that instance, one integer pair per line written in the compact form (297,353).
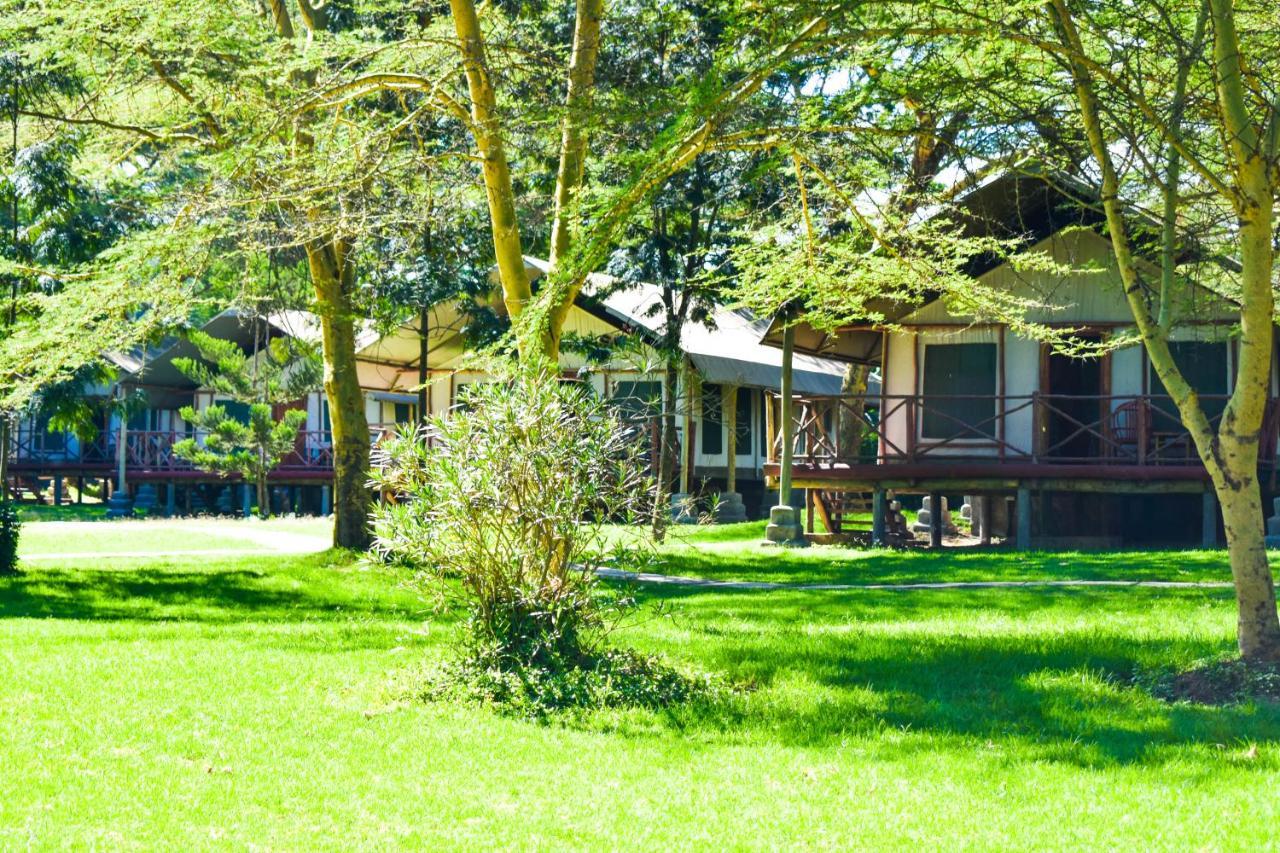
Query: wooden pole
(424,404)
(878,507)
(788,420)
(729,410)
(690,396)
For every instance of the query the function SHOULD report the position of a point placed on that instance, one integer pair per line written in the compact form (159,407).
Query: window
(742,422)
(236,410)
(638,400)
(1205,366)
(712,420)
(404,413)
(959,390)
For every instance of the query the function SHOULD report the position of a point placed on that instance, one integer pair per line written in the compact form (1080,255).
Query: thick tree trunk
(849,418)
(264,502)
(1231,454)
(333,279)
(1258,633)
(486,130)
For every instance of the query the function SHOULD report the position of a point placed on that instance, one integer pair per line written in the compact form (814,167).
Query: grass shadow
(1046,670)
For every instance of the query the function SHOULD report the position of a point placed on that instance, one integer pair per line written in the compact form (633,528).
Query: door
(1073,391)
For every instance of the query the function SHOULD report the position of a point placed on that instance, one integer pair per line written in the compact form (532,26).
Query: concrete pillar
(984,513)
(171,500)
(324,500)
(57,490)
(246,499)
(1023,509)
(1209,520)
(784,521)
(878,517)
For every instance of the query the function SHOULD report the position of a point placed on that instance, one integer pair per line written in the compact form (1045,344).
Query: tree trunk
(850,424)
(666,453)
(1231,455)
(1257,631)
(4,457)
(333,279)
(264,502)
(486,130)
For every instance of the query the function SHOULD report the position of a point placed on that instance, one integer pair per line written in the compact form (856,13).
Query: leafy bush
(508,495)
(10,526)
(617,678)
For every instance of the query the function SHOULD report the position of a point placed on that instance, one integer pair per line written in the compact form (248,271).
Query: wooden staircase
(847,517)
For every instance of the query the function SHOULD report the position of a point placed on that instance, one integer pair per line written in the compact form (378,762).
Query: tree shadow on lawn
(288,589)
(1057,685)
(849,566)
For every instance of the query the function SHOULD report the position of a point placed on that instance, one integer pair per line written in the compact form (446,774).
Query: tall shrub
(508,494)
(10,526)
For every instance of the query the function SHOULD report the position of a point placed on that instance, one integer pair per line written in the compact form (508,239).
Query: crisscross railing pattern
(1038,428)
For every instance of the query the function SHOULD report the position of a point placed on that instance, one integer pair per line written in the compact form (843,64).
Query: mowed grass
(184,703)
(173,536)
(733,552)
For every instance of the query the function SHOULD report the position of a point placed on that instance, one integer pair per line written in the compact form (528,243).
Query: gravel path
(677,580)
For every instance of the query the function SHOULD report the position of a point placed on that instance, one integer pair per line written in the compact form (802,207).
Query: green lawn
(234,702)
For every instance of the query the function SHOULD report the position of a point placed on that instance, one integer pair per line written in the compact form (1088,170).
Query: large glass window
(638,400)
(959,391)
(712,420)
(1205,366)
(743,422)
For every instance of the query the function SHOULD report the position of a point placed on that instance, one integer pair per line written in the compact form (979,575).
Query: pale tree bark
(577,118)
(333,283)
(850,421)
(333,279)
(1231,454)
(486,130)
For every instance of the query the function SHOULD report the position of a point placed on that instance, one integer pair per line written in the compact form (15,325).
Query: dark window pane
(236,410)
(1204,364)
(404,413)
(959,391)
(712,420)
(743,422)
(638,400)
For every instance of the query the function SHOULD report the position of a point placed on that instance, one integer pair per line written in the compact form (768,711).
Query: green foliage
(10,528)
(251,449)
(282,372)
(612,679)
(507,497)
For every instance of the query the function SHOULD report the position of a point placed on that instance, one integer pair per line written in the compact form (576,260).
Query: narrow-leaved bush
(500,503)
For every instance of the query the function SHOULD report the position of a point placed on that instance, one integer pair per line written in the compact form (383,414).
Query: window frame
(965,441)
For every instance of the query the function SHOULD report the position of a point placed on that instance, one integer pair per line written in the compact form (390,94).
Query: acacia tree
(1232,148)
(1172,112)
(213,98)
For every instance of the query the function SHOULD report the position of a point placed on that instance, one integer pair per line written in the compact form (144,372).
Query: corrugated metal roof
(729,352)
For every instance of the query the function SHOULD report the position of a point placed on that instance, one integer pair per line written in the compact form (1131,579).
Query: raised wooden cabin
(1051,450)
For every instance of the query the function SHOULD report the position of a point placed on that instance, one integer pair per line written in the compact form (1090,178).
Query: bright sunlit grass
(237,701)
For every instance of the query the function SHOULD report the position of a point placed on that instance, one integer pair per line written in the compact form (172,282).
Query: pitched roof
(727,353)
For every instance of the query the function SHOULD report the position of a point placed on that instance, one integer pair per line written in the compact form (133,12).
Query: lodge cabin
(1049,450)
(728,374)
